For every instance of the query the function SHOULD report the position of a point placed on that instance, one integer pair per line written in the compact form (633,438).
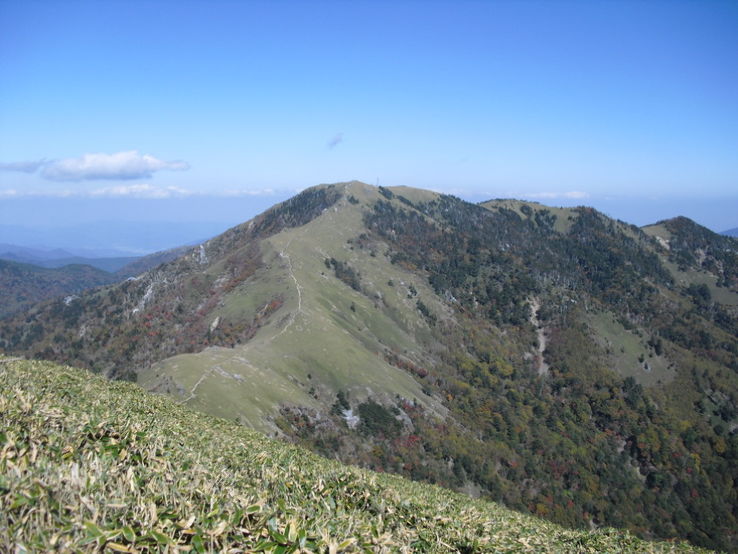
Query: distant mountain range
(109,239)
(557,360)
(22,285)
(45,253)
(59,258)
(28,276)
(731,232)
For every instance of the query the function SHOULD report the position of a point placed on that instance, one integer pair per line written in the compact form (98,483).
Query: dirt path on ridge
(541,366)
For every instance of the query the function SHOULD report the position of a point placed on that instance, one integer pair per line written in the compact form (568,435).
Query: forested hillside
(22,285)
(25,284)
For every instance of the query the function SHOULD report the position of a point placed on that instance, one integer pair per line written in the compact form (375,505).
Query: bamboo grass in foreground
(92,465)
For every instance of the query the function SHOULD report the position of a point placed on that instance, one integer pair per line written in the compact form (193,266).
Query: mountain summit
(555,359)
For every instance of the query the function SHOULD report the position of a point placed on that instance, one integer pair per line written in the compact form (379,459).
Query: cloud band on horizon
(142,191)
(572,194)
(120,166)
(22,167)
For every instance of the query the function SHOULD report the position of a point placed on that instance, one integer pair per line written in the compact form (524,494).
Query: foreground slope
(87,464)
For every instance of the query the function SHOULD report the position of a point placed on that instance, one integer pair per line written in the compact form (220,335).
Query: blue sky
(631,107)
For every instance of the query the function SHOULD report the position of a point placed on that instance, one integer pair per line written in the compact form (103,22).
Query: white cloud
(15,193)
(143,191)
(572,194)
(118,166)
(119,191)
(138,191)
(250,192)
(24,167)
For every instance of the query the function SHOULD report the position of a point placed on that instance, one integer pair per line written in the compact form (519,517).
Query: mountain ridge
(406,330)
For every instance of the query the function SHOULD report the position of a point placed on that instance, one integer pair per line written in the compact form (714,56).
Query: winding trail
(194,388)
(282,254)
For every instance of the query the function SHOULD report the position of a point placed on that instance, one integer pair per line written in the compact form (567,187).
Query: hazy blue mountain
(39,253)
(31,255)
(111,239)
(145,263)
(106,264)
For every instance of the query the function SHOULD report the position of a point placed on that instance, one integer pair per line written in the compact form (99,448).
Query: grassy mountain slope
(165,311)
(325,337)
(547,358)
(255,309)
(22,285)
(696,256)
(86,464)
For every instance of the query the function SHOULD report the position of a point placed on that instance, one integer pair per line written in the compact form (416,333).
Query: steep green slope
(546,358)
(167,311)
(87,465)
(326,336)
(258,309)
(22,285)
